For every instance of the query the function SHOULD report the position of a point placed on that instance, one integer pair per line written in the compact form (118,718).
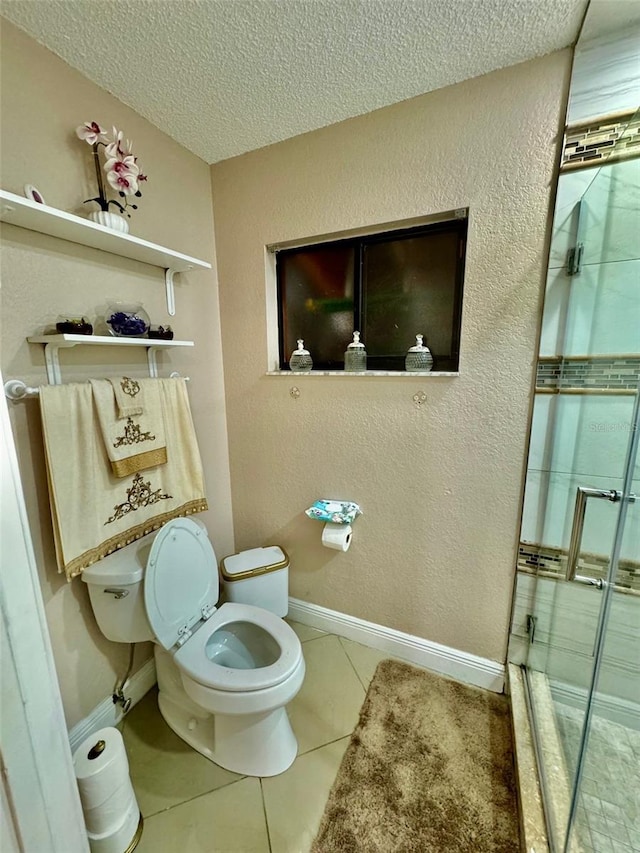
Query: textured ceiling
(227,76)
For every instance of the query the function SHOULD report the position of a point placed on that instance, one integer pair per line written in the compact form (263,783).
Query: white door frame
(40,799)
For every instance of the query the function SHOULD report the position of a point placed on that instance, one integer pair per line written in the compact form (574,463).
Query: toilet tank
(116,592)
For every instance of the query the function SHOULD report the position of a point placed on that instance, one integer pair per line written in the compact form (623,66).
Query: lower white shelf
(54,343)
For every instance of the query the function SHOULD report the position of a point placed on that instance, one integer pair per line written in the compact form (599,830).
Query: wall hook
(294,391)
(419,399)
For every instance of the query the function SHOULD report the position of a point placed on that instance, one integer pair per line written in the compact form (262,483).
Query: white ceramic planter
(110,220)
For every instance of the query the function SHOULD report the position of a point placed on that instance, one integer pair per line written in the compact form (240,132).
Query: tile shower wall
(587,373)
(578,440)
(567,616)
(612,138)
(605,76)
(611,223)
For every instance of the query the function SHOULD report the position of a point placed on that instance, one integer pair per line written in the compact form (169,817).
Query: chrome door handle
(582,496)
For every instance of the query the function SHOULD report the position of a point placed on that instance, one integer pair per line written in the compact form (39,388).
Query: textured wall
(43,101)
(434,552)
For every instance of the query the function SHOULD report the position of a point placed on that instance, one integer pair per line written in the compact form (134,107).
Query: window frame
(458,225)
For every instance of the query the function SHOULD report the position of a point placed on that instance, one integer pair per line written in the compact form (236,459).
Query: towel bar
(16,389)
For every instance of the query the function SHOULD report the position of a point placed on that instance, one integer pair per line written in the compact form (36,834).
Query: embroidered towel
(94,512)
(134,443)
(129,396)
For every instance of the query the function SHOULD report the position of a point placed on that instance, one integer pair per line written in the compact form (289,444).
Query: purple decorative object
(128,321)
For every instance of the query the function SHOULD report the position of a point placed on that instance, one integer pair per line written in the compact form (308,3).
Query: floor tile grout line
(196,797)
(266,817)
(234,781)
(328,743)
(365,686)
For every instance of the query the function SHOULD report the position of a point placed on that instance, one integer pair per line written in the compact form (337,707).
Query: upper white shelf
(16,210)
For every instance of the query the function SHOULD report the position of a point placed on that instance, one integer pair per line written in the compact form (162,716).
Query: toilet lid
(181,582)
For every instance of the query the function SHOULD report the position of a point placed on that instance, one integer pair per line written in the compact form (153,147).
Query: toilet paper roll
(110,814)
(337,536)
(102,773)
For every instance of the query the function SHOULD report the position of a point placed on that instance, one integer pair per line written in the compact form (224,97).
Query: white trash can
(259,576)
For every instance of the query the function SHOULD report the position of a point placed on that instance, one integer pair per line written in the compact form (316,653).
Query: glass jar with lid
(300,361)
(355,358)
(418,357)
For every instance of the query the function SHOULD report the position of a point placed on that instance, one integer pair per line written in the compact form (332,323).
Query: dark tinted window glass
(316,288)
(389,286)
(409,290)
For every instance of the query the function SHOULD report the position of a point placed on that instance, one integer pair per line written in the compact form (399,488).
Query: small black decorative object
(161,333)
(74,326)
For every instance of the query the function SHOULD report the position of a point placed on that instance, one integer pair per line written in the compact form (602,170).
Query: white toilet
(224,674)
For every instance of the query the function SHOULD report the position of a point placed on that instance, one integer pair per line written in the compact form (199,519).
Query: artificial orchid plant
(120,166)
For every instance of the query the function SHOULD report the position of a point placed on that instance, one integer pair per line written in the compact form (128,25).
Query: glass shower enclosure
(576,622)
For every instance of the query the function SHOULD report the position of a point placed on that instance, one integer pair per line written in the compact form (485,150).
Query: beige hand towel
(129,396)
(94,512)
(137,442)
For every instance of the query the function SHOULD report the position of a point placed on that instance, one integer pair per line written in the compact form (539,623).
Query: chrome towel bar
(16,389)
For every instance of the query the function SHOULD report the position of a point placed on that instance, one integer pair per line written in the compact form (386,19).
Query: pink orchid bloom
(119,148)
(125,165)
(123,182)
(91,132)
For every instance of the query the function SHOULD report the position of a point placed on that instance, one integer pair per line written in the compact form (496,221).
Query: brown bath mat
(429,770)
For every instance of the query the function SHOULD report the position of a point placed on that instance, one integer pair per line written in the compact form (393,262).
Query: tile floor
(191,805)
(608,817)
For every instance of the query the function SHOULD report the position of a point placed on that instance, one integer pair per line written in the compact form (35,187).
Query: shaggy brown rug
(429,770)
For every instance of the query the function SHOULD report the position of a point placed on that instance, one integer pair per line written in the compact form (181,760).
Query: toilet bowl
(225,674)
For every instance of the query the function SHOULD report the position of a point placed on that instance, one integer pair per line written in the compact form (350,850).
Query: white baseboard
(108,714)
(615,710)
(462,666)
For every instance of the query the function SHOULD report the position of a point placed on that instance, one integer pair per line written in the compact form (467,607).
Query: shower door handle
(582,496)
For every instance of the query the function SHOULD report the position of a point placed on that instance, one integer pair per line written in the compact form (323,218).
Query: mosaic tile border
(612,373)
(536,559)
(606,139)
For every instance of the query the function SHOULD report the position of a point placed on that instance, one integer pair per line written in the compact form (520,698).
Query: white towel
(138,441)
(94,512)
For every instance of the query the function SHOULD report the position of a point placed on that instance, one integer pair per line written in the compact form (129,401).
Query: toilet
(225,674)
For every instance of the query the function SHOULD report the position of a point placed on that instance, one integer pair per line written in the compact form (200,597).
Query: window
(389,286)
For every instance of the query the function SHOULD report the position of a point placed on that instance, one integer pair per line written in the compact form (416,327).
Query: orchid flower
(119,148)
(122,165)
(91,132)
(124,183)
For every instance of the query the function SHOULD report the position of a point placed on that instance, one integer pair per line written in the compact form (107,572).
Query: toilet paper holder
(337,517)
(96,750)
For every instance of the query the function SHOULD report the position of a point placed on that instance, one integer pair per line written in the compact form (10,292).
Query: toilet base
(249,744)
(258,744)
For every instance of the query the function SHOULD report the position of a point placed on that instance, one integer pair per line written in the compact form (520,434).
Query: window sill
(424,374)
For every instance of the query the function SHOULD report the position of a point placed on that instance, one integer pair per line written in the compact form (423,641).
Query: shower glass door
(577,612)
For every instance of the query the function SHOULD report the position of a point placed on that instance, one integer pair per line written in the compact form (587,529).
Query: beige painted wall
(440,486)
(43,100)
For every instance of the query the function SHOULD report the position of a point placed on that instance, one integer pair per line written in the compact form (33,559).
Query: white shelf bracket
(171,297)
(52,361)
(152,361)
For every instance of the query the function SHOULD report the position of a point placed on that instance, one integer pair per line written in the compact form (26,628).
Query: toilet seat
(193,660)
(181,583)
(180,593)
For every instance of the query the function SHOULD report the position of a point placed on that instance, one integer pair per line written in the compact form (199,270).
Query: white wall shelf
(54,343)
(25,213)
